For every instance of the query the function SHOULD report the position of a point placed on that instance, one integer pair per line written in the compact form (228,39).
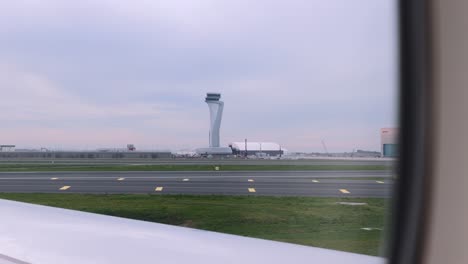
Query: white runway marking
(351,203)
(65,188)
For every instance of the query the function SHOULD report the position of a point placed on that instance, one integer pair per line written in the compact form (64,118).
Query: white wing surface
(45,235)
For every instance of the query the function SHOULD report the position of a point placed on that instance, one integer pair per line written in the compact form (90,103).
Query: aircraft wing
(46,235)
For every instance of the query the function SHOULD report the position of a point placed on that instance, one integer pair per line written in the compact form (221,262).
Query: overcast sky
(89,74)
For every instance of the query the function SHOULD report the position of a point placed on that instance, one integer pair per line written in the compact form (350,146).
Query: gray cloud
(290,71)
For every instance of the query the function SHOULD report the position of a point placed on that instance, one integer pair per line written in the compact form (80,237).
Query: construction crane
(325,148)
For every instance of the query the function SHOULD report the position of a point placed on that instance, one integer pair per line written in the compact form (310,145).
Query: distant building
(364,154)
(256,148)
(86,155)
(131,147)
(389,142)
(7,148)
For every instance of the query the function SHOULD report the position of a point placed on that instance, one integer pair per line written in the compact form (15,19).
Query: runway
(276,183)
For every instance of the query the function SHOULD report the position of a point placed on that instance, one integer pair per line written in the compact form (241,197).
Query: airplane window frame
(412,189)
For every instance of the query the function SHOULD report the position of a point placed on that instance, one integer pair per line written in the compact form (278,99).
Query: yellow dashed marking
(64,188)
(121,179)
(54,179)
(252,190)
(250,180)
(379,181)
(185,179)
(159,189)
(344,191)
(315,181)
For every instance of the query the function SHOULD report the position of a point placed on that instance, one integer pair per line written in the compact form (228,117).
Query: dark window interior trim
(411,196)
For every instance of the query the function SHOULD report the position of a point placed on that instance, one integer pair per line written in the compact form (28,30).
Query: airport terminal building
(84,155)
(7,148)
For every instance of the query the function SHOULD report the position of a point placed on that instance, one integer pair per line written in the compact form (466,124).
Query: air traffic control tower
(216,113)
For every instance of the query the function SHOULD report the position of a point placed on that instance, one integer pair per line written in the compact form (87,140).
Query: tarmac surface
(276,183)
